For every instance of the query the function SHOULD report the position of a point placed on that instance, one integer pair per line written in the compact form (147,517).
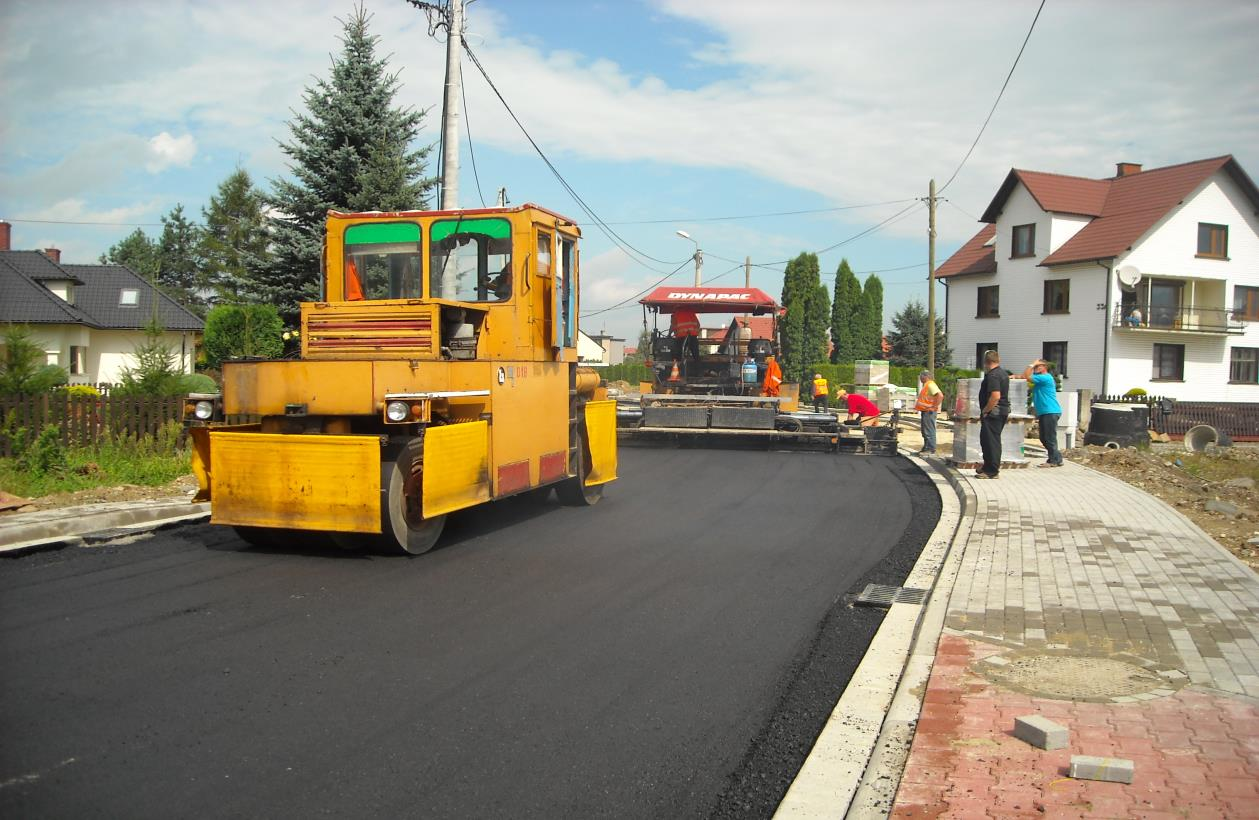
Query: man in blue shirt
(1045,399)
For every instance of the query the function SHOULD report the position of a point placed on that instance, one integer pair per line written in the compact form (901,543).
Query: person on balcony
(1134,318)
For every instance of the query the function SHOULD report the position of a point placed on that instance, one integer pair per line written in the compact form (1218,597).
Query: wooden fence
(1239,420)
(83,420)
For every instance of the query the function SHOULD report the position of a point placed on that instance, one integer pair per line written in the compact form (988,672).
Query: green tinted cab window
(383,261)
(470,260)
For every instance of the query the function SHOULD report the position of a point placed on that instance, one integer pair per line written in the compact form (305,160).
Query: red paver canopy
(711,300)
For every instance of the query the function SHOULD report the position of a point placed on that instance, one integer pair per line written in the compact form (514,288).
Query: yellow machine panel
(296,482)
(327,388)
(383,329)
(456,467)
(601,432)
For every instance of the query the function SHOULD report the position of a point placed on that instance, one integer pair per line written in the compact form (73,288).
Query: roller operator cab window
(471,260)
(383,261)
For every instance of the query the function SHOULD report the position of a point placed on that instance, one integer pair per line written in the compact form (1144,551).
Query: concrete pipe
(1200,436)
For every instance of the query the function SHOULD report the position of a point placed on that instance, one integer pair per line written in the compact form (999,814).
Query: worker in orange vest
(821,393)
(773,377)
(685,326)
(930,397)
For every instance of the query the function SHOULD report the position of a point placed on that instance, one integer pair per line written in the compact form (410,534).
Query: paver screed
(1089,602)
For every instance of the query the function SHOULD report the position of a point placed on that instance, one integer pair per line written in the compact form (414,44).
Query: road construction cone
(675,376)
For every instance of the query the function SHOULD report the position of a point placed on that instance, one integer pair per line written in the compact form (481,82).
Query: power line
(467,127)
(73,222)
(998,100)
(625,302)
(603,226)
(757,216)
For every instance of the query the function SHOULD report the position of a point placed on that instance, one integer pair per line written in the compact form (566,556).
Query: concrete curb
(68,526)
(861,736)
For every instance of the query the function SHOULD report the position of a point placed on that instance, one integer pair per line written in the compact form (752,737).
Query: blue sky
(661,114)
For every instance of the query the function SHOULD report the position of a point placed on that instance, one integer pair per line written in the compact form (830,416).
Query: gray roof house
(89,318)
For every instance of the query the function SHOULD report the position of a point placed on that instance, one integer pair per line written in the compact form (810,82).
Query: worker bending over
(861,410)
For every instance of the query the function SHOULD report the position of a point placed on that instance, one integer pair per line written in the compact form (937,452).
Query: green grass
(44,467)
(1219,466)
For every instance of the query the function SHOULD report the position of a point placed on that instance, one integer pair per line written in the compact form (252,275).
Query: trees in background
(234,239)
(235,331)
(908,338)
(843,310)
(136,251)
(350,150)
(868,320)
(803,329)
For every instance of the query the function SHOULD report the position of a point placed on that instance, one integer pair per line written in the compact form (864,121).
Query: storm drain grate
(885,596)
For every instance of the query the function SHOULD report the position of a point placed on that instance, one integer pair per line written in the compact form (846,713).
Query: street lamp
(699,257)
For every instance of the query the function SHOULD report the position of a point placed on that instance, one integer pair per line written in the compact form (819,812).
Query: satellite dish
(1129,275)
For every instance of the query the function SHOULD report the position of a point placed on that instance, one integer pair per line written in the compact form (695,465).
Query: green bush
(23,370)
(80,391)
(237,331)
(197,383)
(627,372)
(1134,393)
(44,455)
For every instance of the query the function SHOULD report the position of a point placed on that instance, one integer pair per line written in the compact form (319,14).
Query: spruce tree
(350,150)
(843,314)
(235,236)
(135,251)
(870,319)
(908,338)
(180,267)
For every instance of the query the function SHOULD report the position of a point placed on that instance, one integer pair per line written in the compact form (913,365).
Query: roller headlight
(203,410)
(397,411)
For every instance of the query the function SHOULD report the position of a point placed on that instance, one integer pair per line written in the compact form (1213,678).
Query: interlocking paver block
(1041,732)
(1109,769)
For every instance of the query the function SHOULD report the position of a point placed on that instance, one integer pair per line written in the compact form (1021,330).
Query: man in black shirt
(994,409)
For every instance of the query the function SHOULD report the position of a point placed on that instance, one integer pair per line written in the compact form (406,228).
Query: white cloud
(165,151)
(77,210)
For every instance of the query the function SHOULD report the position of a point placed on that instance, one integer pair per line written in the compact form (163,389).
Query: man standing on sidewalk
(1045,400)
(930,397)
(994,409)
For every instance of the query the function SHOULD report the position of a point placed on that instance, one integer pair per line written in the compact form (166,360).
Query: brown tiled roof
(1135,202)
(976,256)
(1123,208)
(1054,193)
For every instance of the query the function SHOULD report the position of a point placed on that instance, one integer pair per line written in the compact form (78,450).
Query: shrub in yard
(236,331)
(197,383)
(1134,393)
(23,365)
(81,391)
(45,454)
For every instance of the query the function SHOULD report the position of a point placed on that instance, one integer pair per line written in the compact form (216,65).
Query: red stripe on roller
(552,466)
(513,477)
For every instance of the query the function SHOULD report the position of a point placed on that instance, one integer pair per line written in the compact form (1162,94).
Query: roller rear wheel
(404,527)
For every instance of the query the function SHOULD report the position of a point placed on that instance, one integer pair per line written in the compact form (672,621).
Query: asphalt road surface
(670,652)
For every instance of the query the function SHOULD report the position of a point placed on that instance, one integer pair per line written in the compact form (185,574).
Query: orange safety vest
(820,388)
(685,323)
(353,287)
(773,378)
(928,403)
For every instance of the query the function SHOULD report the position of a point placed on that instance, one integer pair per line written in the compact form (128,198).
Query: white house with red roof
(1145,279)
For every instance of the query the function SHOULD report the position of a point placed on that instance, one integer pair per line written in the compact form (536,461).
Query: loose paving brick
(1041,732)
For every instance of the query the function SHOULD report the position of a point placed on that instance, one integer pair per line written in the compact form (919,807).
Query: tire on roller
(404,528)
(573,492)
(264,537)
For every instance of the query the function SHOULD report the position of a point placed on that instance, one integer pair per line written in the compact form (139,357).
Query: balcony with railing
(1172,318)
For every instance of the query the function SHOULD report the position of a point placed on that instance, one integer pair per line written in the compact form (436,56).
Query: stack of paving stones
(1086,604)
(965,416)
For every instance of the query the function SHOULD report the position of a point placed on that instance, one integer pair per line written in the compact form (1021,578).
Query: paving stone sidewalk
(1089,602)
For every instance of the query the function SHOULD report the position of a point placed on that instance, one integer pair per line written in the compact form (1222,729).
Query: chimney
(54,254)
(1127,169)
(5,229)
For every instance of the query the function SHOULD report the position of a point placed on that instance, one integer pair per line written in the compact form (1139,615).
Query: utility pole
(699,266)
(931,278)
(747,271)
(450,109)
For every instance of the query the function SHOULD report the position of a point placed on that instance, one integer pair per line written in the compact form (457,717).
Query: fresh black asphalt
(670,652)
